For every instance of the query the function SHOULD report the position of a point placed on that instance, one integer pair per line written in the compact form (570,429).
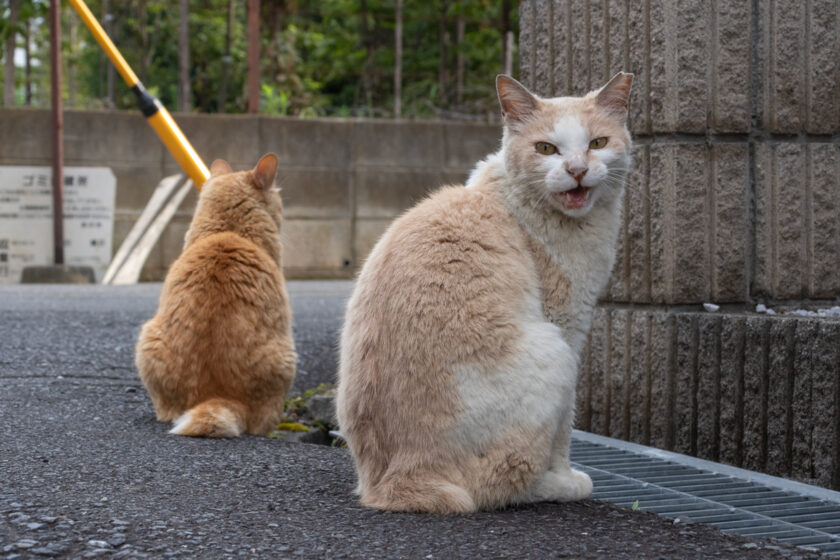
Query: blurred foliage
(326,58)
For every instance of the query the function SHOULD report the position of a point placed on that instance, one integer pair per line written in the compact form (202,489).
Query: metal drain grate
(734,500)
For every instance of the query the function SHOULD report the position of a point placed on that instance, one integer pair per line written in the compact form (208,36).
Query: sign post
(58,132)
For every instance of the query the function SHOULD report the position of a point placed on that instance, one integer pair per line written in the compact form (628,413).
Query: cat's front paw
(582,484)
(567,485)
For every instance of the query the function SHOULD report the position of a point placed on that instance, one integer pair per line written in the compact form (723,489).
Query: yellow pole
(156,114)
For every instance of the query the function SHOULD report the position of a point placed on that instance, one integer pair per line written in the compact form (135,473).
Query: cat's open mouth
(573,199)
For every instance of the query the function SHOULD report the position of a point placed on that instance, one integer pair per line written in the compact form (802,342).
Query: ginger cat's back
(218,357)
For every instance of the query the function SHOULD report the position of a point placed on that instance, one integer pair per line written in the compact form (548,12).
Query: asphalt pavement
(86,471)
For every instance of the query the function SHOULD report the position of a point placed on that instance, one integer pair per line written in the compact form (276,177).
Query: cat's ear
(219,167)
(613,96)
(265,171)
(516,101)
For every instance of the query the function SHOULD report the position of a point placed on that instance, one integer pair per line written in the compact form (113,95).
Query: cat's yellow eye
(598,143)
(546,149)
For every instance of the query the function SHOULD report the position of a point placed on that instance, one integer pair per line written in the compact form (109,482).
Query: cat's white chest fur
(583,249)
(585,255)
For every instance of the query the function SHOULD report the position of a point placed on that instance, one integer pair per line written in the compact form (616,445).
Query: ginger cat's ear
(613,96)
(516,101)
(219,167)
(265,171)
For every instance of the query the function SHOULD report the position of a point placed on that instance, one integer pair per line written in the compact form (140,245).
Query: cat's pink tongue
(576,198)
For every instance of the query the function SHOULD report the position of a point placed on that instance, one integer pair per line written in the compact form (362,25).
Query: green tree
(327,58)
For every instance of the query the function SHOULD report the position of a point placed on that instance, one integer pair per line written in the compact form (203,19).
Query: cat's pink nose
(577,172)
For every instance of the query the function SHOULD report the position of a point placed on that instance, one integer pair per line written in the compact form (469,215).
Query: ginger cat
(218,357)
(459,354)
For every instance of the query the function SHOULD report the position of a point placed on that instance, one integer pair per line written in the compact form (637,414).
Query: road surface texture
(86,471)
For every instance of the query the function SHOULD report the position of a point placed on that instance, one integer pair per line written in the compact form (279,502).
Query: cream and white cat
(459,354)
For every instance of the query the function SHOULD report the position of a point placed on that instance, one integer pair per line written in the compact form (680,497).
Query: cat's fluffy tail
(212,418)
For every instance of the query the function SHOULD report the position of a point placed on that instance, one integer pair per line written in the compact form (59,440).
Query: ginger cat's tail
(213,418)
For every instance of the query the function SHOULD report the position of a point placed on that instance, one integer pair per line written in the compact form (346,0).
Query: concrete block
(663,200)
(708,387)
(663,76)
(617,55)
(630,280)
(637,217)
(25,136)
(790,235)
(172,241)
(562,33)
(317,247)
(619,366)
(57,274)
(730,223)
(368,232)
(663,335)
(466,144)
(135,184)
(617,287)
(692,254)
(91,138)
(321,143)
(638,383)
(188,204)
(730,86)
(386,193)
(123,223)
(825,392)
(685,403)
(543,63)
(781,238)
(639,63)
(583,396)
(598,55)
(416,144)
(761,392)
(762,282)
(168,248)
(782,66)
(692,38)
(679,214)
(527,52)
(234,138)
(599,399)
(171,167)
(755,393)
(732,347)
(156,266)
(315,193)
(581,80)
(806,348)
(824,238)
(780,377)
(823,84)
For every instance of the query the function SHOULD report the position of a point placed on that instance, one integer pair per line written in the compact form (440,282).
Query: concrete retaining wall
(343,181)
(735,199)
(750,390)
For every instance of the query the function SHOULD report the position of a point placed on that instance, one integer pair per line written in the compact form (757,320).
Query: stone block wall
(343,181)
(735,199)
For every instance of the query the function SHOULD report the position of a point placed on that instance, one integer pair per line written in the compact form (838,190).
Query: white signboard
(26,228)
